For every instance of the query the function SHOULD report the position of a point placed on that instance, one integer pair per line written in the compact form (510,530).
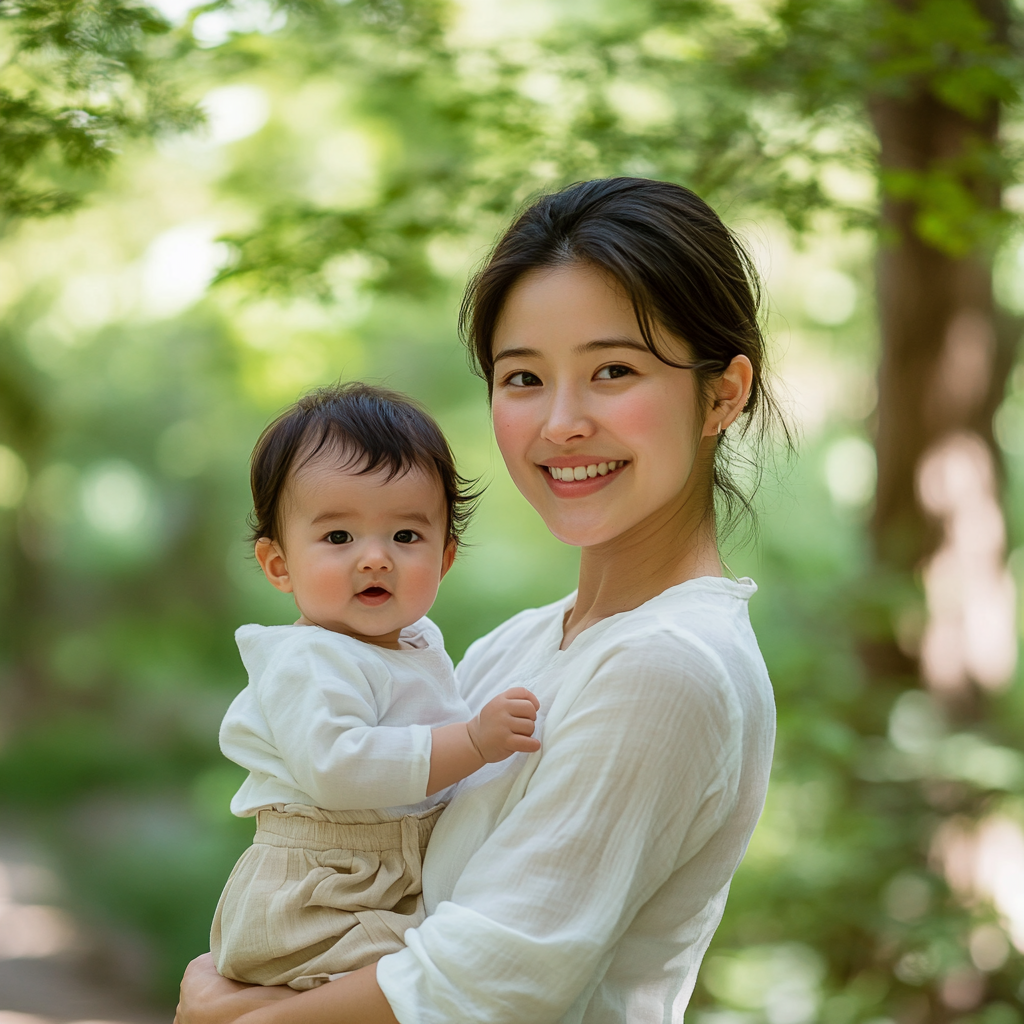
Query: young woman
(616,327)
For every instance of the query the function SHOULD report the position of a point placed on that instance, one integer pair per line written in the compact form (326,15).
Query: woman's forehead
(577,309)
(575,295)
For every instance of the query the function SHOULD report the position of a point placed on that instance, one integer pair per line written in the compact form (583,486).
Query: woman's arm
(207,998)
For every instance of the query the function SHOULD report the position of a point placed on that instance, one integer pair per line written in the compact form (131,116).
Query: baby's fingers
(524,744)
(522,709)
(520,693)
(520,726)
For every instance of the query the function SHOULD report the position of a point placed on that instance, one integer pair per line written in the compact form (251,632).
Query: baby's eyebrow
(415,517)
(412,517)
(324,516)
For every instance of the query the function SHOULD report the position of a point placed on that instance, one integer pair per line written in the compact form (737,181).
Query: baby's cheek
(420,585)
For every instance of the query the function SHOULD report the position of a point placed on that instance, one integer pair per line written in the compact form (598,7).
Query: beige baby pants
(320,892)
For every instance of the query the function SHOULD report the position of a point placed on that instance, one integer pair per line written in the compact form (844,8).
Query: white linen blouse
(583,883)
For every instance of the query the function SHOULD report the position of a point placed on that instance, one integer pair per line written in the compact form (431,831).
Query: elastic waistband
(296,830)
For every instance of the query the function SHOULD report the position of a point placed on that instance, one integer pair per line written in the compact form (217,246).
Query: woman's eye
(339,537)
(406,536)
(522,379)
(612,372)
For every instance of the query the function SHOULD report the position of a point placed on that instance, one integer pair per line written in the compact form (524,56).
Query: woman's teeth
(582,472)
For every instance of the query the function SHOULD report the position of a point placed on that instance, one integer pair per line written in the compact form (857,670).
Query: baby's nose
(375,560)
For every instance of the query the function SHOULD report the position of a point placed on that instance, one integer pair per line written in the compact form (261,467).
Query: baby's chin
(372,626)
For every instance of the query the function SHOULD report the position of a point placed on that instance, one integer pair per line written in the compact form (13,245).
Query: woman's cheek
(513,431)
(658,420)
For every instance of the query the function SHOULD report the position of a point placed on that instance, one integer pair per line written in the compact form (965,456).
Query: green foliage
(840,58)
(948,215)
(79,79)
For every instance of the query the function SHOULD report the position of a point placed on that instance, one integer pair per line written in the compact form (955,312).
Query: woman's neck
(673,545)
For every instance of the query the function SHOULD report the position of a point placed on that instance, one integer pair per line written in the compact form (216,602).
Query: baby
(351,727)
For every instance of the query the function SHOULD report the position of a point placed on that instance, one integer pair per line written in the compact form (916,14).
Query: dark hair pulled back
(682,269)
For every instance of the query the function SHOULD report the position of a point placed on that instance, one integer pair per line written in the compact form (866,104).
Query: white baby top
(333,722)
(583,883)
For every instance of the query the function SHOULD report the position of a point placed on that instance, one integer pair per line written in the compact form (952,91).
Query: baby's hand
(505,725)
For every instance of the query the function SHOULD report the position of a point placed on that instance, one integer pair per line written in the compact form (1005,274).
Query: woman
(616,327)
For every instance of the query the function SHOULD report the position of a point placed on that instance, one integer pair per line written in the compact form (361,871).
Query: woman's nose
(567,419)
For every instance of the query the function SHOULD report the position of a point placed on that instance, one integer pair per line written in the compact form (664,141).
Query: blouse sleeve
(632,782)
(322,712)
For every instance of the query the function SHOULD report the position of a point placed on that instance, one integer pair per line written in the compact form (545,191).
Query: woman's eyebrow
(589,346)
(594,346)
(516,353)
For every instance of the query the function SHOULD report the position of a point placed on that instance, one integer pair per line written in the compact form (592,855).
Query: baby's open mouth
(373,596)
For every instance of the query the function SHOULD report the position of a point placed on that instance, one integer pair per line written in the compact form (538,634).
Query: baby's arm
(503,727)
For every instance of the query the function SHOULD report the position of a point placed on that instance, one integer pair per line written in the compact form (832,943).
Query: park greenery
(207,209)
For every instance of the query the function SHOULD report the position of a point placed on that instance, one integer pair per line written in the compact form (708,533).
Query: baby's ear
(270,555)
(450,551)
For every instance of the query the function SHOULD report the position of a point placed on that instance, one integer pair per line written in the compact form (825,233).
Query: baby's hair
(364,426)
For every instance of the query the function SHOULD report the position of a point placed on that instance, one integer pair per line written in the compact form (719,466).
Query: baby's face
(362,554)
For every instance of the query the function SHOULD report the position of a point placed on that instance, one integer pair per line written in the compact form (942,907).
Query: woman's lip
(581,488)
(373,596)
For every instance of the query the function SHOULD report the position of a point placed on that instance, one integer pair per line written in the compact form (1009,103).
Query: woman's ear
(732,390)
(450,551)
(270,555)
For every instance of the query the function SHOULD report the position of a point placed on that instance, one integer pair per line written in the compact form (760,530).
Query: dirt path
(47,961)
(52,991)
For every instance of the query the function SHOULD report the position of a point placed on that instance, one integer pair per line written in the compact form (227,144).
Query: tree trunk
(943,373)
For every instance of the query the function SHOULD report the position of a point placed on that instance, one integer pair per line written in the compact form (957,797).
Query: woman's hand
(505,725)
(207,998)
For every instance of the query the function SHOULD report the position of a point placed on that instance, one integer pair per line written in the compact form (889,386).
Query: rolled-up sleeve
(633,780)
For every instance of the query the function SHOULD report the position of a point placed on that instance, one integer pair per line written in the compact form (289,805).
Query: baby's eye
(612,372)
(339,537)
(406,537)
(522,379)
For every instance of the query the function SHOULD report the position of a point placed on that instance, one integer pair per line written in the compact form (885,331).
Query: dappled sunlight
(985,861)
(971,630)
(27,929)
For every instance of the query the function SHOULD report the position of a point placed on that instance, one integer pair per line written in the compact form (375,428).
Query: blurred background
(205,210)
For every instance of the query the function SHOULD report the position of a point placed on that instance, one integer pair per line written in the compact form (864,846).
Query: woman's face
(600,435)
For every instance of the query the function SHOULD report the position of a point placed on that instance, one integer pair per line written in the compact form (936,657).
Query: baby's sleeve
(322,705)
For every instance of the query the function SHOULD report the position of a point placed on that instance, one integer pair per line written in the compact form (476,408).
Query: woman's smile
(576,478)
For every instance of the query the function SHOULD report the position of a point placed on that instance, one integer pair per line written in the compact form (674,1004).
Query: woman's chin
(584,534)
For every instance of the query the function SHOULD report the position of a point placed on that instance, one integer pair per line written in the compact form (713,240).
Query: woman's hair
(363,426)
(682,269)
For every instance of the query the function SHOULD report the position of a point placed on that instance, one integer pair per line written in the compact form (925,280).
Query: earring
(718,430)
